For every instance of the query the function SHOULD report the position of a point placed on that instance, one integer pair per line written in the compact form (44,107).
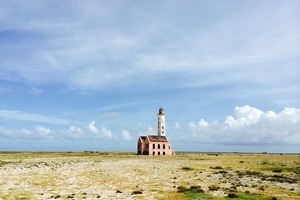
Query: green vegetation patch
(2,162)
(248,173)
(279,167)
(248,196)
(193,192)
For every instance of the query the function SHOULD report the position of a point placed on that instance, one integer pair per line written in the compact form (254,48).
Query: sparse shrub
(242,161)
(263,178)
(262,188)
(216,167)
(197,189)
(277,170)
(213,188)
(181,189)
(2,162)
(187,168)
(281,179)
(193,189)
(118,191)
(265,162)
(296,170)
(232,195)
(137,192)
(248,173)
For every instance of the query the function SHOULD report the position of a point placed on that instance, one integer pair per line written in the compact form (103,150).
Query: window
(158,146)
(162,127)
(158,153)
(164,146)
(153,153)
(164,153)
(153,146)
(169,147)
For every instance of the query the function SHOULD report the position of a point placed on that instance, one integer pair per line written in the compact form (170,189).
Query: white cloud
(75,132)
(289,114)
(126,135)
(249,126)
(245,115)
(192,126)
(92,128)
(106,133)
(39,132)
(203,123)
(24,133)
(42,131)
(21,116)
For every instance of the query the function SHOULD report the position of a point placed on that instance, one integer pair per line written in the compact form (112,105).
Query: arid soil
(92,175)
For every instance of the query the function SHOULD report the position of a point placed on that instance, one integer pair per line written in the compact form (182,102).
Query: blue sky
(91,75)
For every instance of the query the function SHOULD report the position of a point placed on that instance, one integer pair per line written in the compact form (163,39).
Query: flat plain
(99,175)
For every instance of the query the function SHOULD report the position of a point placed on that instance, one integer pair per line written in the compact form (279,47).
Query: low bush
(194,189)
(187,168)
(277,170)
(216,167)
(137,192)
(213,188)
(232,195)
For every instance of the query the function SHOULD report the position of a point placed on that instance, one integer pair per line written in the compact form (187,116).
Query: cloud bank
(73,132)
(248,126)
(251,126)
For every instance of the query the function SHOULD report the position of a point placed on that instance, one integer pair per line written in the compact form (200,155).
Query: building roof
(143,138)
(156,138)
(153,138)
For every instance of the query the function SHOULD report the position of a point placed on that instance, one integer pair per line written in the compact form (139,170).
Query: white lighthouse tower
(161,122)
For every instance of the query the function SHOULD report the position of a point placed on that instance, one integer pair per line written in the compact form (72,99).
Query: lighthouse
(161,122)
(156,145)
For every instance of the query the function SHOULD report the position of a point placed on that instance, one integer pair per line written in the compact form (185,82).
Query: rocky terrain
(94,175)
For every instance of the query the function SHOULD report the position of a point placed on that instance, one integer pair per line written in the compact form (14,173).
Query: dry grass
(95,175)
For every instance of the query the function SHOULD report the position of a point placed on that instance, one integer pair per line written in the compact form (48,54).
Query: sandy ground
(119,176)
